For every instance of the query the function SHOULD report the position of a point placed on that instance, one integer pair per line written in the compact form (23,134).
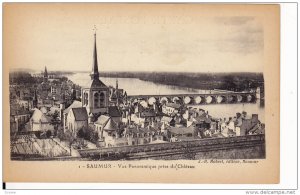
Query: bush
(48,134)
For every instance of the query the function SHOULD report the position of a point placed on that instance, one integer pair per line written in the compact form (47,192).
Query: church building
(95,97)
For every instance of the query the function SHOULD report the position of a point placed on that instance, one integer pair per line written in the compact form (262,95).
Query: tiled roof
(95,83)
(110,125)
(75,104)
(113,111)
(173,105)
(102,120)
(80,114)
(181,130)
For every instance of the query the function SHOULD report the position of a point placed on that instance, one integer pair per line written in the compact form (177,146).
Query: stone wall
(243,147)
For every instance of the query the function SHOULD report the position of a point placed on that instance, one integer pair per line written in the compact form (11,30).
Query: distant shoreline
(203,81)
(199,81)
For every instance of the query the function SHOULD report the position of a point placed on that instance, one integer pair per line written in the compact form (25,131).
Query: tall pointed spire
(117,86)
(35,100)
(95,72)
(45,75)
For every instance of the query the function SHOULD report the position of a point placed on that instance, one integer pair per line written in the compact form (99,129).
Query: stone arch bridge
(195,99)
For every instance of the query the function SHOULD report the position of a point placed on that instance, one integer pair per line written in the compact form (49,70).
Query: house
(149,114)
(75,104)
(106,127)
(171,108)
(25,104)
(77,118)
(137,119)
(18,119)
(182,131)
(179,121)
(55,89)
(248,124)
(40,122)
(202,121)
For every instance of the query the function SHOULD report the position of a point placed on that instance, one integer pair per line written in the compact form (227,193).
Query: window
(96,100)
(85,99)
(102,99)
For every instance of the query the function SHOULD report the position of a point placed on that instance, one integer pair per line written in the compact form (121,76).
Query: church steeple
(35,100)
(45,75)
(117,86)
(95,72)
(95,95)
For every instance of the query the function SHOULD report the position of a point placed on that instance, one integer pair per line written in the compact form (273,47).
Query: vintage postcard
(152,93)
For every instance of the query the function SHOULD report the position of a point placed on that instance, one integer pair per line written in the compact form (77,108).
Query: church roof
(75,104)
(95,83)
(80,114)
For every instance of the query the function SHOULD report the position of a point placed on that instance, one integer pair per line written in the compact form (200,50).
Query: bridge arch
(231,98)
(209,99)
(152,100)
(176,99)
(164,100)
(250,98)
(221,99)
(198,99)
(239,98)
(187,99)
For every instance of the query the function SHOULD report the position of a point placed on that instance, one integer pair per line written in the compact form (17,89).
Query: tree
(48,134)
(91,135)
(70,139)
(81,133)
(55,121)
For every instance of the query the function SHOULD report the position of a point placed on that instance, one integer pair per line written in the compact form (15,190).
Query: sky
(177,38)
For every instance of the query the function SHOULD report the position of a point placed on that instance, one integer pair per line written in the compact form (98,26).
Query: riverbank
(202,81)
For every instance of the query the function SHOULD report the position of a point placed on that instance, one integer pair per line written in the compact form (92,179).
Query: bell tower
(95,96)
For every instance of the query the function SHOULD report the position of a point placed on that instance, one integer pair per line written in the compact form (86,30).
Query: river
(134,86)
